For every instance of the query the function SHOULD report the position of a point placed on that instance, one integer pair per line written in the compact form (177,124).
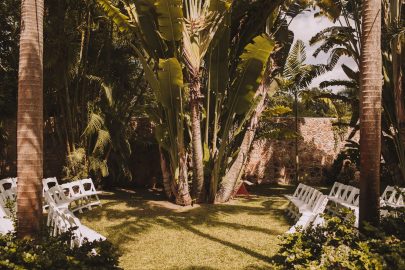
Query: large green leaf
(250,72)
(148,26)
(171,82)
(170,19)
(121,20)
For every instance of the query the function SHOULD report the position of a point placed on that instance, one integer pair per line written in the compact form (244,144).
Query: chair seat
(90,234)
(6,225)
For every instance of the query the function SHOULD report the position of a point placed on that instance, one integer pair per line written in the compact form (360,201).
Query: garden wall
(272,160)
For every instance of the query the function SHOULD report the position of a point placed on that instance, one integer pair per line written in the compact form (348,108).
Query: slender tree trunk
(198,167)
(370,112)
(30,120)
(397,72)
(167,186)
(232,181)
(182,189)
(296,137)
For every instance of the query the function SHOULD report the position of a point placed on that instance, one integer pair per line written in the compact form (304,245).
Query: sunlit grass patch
(155,234)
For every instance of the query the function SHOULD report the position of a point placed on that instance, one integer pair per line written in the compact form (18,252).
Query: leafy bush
(55,253)
(338,245)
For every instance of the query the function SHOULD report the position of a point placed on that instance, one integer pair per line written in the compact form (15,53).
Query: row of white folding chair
(305,204)
(84,187)
(344,196)
(82,192)
(304,197)
(61,220)
(393,197)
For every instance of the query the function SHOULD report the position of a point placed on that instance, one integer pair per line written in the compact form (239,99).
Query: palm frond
(95,123)
(103,139)
(345,83)
(107,89)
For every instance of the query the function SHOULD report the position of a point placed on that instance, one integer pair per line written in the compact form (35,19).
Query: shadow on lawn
(145,209)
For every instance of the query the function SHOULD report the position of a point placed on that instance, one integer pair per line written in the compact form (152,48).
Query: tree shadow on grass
(138,212)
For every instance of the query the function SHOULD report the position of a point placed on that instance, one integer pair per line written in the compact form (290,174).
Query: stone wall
(273,160)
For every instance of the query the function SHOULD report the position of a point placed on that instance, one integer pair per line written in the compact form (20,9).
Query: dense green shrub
(338,245)
(55,253)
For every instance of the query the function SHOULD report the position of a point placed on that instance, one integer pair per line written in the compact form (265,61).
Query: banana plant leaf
(250,72)
(170,19)
(146,12)
(122,21)
(170,77)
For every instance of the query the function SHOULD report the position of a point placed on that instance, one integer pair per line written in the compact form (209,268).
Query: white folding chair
(88,189)
(48,183)
(7,183)
(388,195)
(74,190)
(57,196)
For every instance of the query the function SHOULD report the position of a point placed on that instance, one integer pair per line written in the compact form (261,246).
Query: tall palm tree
(370,111)
(296,76)
(30,119)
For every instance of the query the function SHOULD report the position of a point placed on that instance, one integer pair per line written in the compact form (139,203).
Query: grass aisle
(155,234)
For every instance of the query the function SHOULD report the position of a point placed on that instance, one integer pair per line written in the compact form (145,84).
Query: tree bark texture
(197,155)
(30,120)
(370,113)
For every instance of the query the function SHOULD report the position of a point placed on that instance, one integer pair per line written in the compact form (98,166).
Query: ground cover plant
(338,245)
(55,253)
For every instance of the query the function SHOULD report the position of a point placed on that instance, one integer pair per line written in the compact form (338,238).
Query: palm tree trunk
(198,167)
(30,120)
(370,113)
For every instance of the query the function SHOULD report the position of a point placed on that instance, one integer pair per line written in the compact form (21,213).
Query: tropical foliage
(338,245)
(55,253)
(203,71)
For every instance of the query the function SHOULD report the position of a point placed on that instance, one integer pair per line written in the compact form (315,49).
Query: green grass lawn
(152,233)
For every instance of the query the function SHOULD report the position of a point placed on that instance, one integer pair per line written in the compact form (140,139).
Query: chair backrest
(335,189)
(298,190)
(342,192)
(314,199)
(400,201)
(388,194)
(57,196)
(88,186)
(74,188)
(307,194)
(7,183)
(353,196)
(48,183)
